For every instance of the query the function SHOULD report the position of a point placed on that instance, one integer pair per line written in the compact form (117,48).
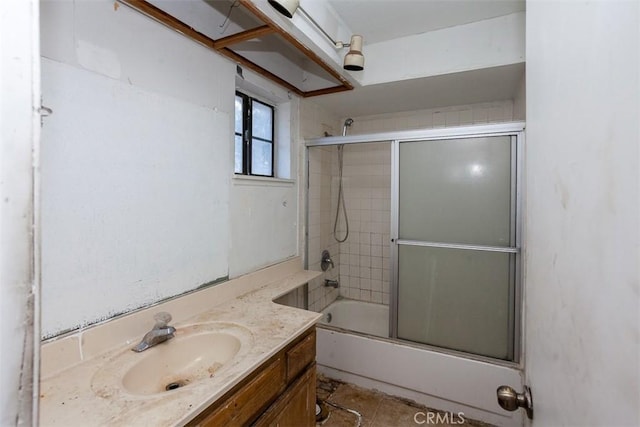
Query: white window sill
(262,181)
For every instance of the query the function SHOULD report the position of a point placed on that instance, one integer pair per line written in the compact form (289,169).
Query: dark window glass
(254,144)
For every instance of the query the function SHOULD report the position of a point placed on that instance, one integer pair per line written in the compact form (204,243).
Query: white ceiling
(381,20)
(469,87)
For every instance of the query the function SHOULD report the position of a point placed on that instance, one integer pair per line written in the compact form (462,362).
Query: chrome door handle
(510,400)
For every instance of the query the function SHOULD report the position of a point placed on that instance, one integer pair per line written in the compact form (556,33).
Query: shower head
(347,123)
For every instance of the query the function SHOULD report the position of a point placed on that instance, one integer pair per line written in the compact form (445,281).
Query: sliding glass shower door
(456,244)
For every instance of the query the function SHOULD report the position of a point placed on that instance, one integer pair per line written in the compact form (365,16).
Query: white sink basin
(198,352)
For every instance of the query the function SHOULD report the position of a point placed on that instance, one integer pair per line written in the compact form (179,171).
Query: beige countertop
(80,382)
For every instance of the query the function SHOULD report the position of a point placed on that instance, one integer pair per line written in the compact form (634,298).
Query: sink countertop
(68,398)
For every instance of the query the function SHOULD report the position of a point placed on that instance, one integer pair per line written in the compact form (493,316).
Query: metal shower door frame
(516,132)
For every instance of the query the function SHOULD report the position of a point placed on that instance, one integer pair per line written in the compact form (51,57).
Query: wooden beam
(243,36)
(258,69)
(325,91)
(220,45)
(302,48)
(168,20)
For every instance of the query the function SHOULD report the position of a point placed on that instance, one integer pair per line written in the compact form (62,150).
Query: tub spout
(331,283)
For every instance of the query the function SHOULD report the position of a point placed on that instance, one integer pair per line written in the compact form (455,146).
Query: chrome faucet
(326,261)
(160,332)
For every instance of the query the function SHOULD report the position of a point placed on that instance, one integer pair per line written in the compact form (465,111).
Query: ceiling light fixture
(353,60)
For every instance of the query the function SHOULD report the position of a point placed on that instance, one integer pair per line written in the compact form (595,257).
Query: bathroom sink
(198,352)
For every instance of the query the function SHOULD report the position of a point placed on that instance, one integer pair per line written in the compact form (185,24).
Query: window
(254,144)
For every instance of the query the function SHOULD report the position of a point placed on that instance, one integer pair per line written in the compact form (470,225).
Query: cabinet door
(241,408)
(295,407)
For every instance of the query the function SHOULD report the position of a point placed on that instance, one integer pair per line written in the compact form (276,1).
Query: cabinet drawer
(252,399)
(301,355)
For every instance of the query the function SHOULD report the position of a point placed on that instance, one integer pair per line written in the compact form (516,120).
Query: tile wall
(364,256)
(321,211)
(315,121)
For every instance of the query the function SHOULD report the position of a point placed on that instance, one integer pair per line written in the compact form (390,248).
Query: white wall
(138,203)
(264,224)
(520,100)
(583,211)
(459,115)
(264,212)
(19,145)
(482,44)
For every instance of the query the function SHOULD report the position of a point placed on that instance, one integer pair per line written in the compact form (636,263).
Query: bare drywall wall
(138,200)
(136,166)
(135,197)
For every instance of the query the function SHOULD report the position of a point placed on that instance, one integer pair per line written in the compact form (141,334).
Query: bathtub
(353,346)
(358,316)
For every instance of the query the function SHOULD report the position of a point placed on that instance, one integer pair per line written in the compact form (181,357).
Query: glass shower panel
(456,191)
(456,244)
(455,298)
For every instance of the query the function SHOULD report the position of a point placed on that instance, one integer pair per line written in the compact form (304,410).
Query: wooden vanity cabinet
(296,406)
(281,392)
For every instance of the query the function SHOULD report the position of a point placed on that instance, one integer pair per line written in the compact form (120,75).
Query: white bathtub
(430,377)
(358,316)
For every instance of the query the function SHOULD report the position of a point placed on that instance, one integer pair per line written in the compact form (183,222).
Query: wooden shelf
(247,47)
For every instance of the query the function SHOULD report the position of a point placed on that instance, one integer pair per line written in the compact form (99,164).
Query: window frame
(247,135)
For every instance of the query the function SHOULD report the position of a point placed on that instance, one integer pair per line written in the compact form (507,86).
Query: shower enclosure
(434,234)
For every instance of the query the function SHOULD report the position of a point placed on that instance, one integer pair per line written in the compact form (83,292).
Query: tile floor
(377,409)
